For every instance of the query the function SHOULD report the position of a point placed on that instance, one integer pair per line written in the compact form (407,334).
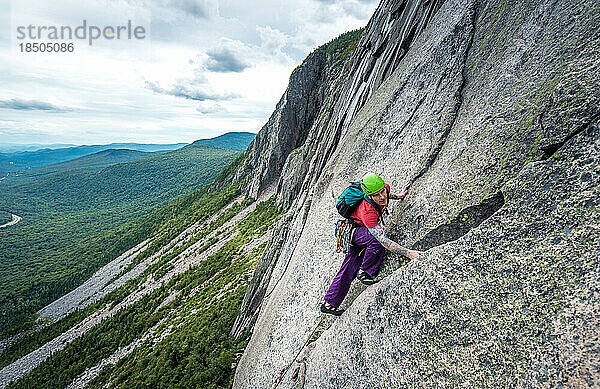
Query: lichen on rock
(490,97)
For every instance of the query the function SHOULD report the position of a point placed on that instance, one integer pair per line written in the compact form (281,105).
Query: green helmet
(371,183)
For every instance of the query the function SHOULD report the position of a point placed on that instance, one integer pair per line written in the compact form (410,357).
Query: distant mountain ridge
(24,160)
(94,161)
(15,162)
(20,147)
(231,140)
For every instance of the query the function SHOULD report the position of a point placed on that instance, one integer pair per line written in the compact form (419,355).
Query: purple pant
(368,261)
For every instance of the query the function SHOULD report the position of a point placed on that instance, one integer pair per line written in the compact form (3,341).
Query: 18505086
(46,47)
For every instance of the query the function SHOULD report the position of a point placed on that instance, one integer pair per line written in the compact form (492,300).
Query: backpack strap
(376,206)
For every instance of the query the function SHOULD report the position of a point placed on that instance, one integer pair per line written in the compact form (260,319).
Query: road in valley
(15,220)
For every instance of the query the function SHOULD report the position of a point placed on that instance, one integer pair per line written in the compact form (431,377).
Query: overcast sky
(204,67)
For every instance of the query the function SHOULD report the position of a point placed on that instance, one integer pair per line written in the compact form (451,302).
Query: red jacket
(366,215)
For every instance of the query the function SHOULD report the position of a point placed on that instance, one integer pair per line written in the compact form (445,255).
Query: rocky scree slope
(139,306)
(491,114)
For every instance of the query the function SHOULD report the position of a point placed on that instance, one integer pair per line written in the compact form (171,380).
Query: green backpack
(351,198)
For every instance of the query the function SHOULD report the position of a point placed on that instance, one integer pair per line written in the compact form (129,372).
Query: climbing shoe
(365,278)
(331,310)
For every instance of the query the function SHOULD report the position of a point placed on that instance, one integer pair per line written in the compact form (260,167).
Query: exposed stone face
(323,96)
(339,96)
(513,303)
(490,115)
(390,33)
(288,126)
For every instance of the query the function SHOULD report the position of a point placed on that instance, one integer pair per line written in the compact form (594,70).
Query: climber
(368,242)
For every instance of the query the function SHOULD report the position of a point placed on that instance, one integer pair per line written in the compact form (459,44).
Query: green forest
(5,217)
(76,220)
(201,352)
(166,222)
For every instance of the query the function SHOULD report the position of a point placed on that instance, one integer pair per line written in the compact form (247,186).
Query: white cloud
(31,105)
(205,68)
(209,107)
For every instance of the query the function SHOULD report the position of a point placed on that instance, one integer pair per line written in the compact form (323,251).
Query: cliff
(489,110)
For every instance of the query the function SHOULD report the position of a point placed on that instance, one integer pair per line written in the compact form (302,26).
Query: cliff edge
(489,110)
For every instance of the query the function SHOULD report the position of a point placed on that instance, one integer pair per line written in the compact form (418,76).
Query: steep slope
(231,140)
(486,90)
(72,217)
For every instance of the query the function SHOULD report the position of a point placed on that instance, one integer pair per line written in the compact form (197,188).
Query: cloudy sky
(203,68)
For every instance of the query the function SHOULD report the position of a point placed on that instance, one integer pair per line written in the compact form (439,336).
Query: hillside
(90,162)
(67,212)
(184,284)
(231,140)
(488,110)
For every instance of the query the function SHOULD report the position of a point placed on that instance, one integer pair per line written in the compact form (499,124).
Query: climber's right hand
(413,254)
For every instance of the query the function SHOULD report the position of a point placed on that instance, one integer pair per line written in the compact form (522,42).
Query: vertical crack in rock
(386,42)
(458,96)
(397,11)
(412,18)
(550,149)
(466,219)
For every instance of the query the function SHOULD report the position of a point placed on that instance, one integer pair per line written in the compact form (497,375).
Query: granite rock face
(323,96)
(515,302)
(338,96)
(491,115)
(288,126)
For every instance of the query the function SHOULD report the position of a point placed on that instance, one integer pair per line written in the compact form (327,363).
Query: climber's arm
(400,196)
(379,233)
